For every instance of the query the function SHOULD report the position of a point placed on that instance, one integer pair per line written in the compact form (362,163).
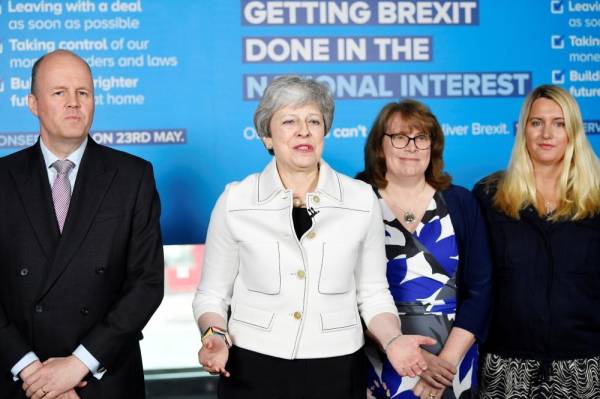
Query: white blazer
(295,298)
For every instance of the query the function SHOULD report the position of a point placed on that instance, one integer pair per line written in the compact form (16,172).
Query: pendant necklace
(549,208)
(408,216)
(298,203)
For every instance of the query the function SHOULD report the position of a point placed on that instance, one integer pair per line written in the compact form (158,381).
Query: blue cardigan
(475,266)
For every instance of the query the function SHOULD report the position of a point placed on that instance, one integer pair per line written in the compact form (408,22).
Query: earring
(269,146)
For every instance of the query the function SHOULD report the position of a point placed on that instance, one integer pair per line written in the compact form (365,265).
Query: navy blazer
(546,284)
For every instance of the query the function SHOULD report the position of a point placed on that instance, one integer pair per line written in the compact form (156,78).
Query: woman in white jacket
(296,254)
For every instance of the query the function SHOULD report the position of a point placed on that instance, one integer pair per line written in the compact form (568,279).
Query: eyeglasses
(422,141)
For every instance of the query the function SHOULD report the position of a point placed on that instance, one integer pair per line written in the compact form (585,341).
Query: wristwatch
(213,330)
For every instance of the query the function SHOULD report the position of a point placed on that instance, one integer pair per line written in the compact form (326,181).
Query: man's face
(63,100)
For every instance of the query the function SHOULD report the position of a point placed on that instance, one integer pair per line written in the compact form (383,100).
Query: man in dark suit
(81,261)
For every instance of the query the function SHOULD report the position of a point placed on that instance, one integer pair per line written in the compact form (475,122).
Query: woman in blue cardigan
(438,259)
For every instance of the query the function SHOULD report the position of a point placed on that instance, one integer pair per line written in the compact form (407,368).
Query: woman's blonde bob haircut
(579,182)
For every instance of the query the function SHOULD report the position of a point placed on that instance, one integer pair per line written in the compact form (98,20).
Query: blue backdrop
(177,82)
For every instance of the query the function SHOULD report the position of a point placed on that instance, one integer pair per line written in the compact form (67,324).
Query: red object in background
(182,272)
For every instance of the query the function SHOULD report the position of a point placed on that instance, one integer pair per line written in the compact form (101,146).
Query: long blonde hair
(579,181)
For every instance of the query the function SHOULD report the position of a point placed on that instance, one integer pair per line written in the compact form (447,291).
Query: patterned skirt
(531,379)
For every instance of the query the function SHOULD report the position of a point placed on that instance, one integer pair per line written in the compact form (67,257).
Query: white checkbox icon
(556,7)
(557,42)
(558,77)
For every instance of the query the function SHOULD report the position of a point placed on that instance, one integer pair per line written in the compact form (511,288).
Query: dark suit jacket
(97,284)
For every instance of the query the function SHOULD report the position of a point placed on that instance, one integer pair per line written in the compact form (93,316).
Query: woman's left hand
(404,353)
(425,391)
(439,373)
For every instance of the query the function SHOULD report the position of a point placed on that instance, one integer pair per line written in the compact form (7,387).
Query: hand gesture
(425,391)
(56,377)
(404,353)
(28,372)
(69,395)
(213,355)
(439,373)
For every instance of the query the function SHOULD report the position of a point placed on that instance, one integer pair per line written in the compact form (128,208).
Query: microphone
(312,212)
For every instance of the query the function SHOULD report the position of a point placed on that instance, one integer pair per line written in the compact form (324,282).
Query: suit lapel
(93,180)
(31,180)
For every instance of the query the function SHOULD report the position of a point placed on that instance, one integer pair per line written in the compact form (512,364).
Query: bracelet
(214,330)
(386,346)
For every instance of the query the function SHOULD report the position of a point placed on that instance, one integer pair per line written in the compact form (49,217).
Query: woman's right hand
(425,391)
(213,355)
(439,373)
